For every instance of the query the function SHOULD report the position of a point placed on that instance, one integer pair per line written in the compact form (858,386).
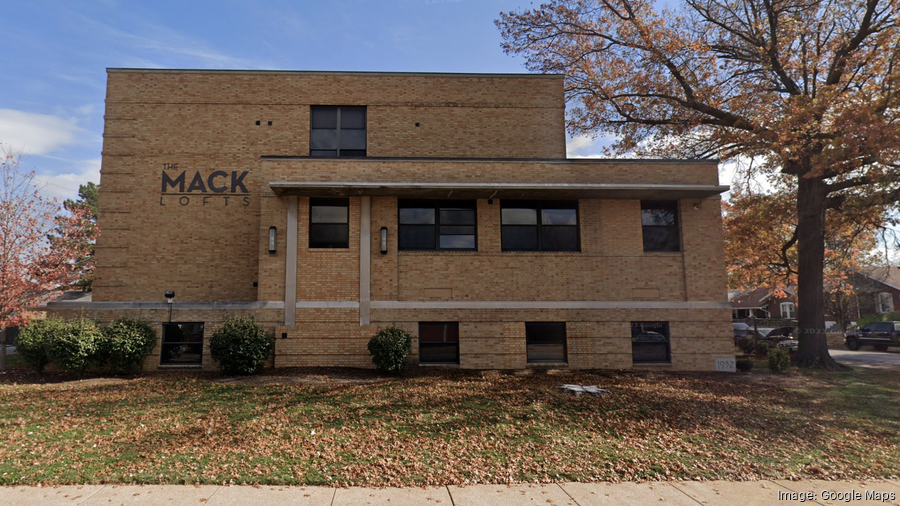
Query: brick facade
(198,165)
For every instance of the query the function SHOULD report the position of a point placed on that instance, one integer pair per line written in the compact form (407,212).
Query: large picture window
(436,225)
(650,342)
(545,342)
(329,223)
(337,131)
(439,343)
(182,344)
(536,225)
(659,221)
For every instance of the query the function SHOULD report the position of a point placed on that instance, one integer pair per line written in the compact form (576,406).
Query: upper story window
(884,302)
(436,224)
(329,223)
(787,310)
(659,221)
(337,131)
(539,225)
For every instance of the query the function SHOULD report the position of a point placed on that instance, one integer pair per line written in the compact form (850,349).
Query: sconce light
(170,299)
(697,206)
(272,239)
(383,240)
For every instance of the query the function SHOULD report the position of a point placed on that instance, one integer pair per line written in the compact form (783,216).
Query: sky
(57,52)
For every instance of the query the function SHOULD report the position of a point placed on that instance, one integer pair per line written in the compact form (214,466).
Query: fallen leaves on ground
(449,427)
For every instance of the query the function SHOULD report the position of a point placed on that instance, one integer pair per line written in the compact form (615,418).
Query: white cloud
(36,134)
(585,146)
(65,185)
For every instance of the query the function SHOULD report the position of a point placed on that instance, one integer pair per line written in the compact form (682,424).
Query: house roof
(887,275)
(757,298)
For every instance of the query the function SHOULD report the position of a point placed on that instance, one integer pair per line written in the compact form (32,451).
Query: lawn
(447,427)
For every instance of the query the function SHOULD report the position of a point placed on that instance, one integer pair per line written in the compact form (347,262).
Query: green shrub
(779,360)
(762,348)
(867,319)
(128,342)
(79,346)
(389,348)
(35,339)
(746,345)
(240,345)
(744,365)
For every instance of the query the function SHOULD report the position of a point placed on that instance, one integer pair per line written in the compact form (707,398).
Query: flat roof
(495,190)
(112,70)
(363,159)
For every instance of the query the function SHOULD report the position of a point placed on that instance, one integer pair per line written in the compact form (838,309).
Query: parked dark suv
(878,334)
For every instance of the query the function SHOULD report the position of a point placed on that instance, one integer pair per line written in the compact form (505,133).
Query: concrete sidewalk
(565,494)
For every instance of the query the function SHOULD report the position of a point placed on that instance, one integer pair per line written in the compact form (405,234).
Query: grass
(452,427)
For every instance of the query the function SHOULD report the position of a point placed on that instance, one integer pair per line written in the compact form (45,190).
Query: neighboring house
(764,303)
(328,205)
(878,290)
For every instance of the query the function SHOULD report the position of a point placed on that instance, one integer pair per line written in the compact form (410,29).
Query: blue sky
(56,53)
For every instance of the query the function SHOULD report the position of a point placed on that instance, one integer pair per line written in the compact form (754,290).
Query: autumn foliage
(31,265)
(808,91)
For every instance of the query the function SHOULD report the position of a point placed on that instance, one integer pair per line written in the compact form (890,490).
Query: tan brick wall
(214,248)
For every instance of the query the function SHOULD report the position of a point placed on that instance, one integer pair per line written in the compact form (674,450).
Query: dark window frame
(328,202)
(165,356)
(319,152)
(667,205)
(651,327)
(437,205)
(437,345)
(531,347)
(539,206)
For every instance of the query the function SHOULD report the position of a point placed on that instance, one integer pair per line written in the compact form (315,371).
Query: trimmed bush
(79,346)
(762,348)
(128,342)
(389,348)
(779,360)
(744,365)
(35,339)
(240,345)
(746,345)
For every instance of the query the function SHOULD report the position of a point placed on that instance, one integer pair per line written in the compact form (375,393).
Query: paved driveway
(868,358)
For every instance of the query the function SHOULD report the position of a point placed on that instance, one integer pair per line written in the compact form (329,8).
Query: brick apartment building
(331,204)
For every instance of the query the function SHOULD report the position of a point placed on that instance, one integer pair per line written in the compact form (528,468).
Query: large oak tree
(809,90)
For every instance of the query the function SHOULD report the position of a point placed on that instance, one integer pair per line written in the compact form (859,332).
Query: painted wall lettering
(218,183)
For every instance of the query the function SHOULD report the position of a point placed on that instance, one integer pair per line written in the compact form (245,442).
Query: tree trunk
(2,349)
(813,349)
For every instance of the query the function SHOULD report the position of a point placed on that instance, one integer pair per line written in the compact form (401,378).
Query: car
(741,330)
(878,334)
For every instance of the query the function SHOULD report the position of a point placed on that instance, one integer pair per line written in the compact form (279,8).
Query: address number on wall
(725,365)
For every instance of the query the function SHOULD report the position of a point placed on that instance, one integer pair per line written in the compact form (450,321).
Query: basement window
(439,343)
(545,342)
(182,344)
(650,342)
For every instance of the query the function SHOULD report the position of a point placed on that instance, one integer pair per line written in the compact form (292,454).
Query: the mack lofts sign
(219,187)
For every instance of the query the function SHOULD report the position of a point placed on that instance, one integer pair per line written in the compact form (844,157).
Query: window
(436,224)
(659,221)
(534,225)
(884,302)
(329,223)
(650,342)
(545,342)
(439,343)
(182,344)
(337,131)
(787,310)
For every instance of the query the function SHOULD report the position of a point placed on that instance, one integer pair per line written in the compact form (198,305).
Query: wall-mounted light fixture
(170,299)
(273,235)
(697,206)
(384,240)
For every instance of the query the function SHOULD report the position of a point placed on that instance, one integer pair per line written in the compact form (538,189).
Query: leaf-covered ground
(449,427)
